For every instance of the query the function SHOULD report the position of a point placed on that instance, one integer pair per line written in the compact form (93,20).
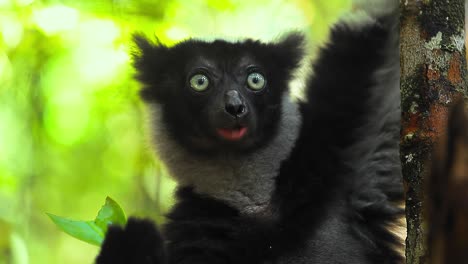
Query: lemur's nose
(234,105)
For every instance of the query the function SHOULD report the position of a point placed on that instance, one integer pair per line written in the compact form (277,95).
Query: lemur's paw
(138,242)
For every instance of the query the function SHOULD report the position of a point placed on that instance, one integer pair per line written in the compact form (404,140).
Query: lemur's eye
(256,81)
(199,82)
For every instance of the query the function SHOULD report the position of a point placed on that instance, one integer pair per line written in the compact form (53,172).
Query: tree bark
(433,74)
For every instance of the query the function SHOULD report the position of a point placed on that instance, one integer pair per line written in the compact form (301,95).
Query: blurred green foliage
(71,123)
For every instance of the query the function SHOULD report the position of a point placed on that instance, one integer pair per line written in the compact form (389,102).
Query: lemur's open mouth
(232,134)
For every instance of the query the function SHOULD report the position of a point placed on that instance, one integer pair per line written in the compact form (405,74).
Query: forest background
(71,123)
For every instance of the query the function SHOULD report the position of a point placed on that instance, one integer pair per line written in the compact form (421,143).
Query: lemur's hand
(138,242)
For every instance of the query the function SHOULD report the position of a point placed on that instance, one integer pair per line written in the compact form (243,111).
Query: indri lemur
(262,178)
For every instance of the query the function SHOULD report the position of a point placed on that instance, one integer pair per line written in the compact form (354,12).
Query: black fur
(139,242)
(336,192)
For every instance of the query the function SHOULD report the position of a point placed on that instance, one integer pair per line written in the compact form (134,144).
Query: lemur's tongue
(232,134)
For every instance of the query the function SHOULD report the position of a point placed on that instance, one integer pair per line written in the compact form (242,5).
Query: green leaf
(86,231)
(110,214)
(92,232)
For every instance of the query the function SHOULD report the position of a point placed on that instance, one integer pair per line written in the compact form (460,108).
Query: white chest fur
(246,182)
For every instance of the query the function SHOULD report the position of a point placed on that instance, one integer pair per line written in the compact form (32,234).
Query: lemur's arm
(350,133)
(351,108)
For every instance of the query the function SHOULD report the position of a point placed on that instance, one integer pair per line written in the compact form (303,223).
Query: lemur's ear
(289,51)
(150,60)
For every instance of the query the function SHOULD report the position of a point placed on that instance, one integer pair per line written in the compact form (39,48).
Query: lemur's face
(219,96)
(222,104)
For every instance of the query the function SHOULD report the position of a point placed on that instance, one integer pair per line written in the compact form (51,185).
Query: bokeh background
(71,122)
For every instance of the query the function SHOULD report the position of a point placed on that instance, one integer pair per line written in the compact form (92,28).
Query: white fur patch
(365,12)
(375,8)
(357,20)
(246,182)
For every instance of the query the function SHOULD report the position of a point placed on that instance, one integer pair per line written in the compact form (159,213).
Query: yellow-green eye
(199,82)
(256,81)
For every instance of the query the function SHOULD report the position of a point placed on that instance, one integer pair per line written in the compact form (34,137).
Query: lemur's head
(218,96)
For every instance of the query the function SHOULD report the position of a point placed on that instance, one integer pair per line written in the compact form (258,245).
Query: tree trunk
(433,74)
